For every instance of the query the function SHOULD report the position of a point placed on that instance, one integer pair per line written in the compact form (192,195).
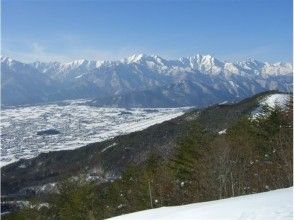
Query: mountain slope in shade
(141,81)
(277,204)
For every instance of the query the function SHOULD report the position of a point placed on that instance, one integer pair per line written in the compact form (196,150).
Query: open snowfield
(78,124)
(272,205)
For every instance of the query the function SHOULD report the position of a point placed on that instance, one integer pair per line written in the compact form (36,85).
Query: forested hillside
(254,154)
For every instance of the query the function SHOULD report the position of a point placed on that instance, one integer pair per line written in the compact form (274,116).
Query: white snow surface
(271,101)
(276,100)
(272,205)
(78,123)
(222,131)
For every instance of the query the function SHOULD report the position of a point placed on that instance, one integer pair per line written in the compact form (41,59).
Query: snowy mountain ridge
(203,63)
(142,80)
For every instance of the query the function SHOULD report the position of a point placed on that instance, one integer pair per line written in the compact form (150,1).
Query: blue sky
(113,29)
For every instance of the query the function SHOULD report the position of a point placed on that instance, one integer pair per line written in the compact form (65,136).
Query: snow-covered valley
(273,205)
(23,129)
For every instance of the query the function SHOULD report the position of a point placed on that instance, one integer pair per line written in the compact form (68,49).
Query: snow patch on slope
(279,100)
(277,204)
(273,100)
(106,148)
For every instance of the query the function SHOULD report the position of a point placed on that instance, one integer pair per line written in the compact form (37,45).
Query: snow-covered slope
(273,205)
(141,80)
(273,100)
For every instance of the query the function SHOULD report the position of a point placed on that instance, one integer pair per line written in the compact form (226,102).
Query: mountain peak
(77,62)
(136,58)
(143,57)
(6,59)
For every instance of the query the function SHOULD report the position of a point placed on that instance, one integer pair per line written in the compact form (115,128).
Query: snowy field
(273,205)
(78,124)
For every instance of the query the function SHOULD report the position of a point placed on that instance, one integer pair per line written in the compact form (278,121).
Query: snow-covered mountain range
(141,81)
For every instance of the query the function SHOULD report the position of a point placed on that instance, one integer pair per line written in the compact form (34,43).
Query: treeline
(253,155)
